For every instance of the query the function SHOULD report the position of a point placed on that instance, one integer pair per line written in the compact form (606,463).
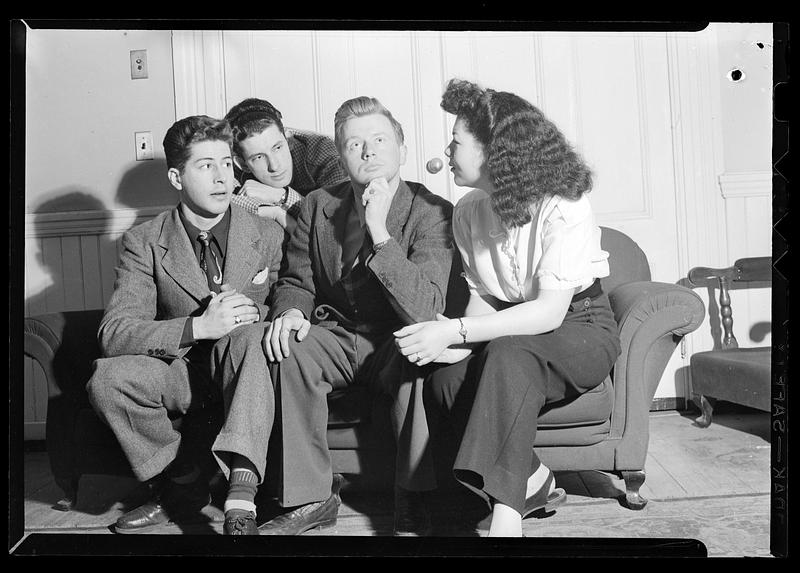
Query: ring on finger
(237,319)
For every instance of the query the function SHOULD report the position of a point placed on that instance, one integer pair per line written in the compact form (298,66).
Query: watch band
(462,331)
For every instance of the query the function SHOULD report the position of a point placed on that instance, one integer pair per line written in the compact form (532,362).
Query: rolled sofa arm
(652,318)
(65,345)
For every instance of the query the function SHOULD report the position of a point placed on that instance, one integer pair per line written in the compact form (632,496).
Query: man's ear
(240,163)
(403,154)
(174,177)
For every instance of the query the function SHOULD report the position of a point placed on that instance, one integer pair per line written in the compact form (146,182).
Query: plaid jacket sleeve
(247,203)
(315,160)
(292,204)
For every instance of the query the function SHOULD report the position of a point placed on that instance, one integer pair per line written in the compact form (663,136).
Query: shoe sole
(146,529)
(556,498)
(311,527)
(321,525)
(178,522)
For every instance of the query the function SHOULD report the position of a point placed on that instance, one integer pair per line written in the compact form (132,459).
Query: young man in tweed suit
(187,277)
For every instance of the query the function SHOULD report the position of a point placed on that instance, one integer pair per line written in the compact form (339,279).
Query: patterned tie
(213,272)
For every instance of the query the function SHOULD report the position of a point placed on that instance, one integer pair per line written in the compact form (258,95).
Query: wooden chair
(730,373)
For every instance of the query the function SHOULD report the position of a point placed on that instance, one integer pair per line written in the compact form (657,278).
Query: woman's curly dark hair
(526,155)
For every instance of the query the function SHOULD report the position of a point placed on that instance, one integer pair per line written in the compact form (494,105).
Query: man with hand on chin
(366,256)
(189,276)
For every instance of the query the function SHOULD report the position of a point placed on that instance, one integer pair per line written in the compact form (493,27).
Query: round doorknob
(434,165)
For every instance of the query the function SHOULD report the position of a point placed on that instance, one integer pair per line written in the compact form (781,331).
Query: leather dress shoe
(174,503)
(314,515)
(546,497)
(238,523)
(411,514)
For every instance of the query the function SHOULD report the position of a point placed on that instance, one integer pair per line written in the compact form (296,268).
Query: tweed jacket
(408,277)
(159,283)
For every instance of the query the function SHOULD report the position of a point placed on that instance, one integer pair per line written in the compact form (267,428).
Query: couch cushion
(356,423)
(593,407)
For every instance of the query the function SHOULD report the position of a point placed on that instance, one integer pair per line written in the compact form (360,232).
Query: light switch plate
(138,64)
(144,145)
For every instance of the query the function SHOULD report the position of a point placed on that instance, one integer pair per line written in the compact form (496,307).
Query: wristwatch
(462,331)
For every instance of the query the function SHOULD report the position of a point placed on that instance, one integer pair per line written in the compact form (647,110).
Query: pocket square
(261,276)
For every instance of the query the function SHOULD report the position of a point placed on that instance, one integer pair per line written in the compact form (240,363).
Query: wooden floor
(711,485)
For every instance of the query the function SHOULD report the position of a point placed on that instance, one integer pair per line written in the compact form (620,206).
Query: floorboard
(709,484)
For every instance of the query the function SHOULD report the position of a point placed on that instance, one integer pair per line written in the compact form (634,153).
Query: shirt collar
(220,231)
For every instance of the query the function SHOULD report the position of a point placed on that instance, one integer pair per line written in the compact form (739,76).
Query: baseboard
(33,431)
(659,404)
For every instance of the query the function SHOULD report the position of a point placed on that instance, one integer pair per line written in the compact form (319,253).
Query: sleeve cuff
(187,337)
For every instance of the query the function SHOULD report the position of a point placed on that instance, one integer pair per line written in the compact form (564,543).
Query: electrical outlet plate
(138,64)
(144,145)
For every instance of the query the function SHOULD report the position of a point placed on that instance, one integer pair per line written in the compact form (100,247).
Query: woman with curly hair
(538,328)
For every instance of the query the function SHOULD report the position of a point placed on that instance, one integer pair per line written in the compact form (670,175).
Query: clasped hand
(426,342)
(220,316)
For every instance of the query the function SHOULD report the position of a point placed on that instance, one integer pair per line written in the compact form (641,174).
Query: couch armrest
(652,319)
(65,345)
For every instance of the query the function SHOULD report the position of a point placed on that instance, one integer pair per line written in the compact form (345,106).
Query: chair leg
(707,410)
(633,481)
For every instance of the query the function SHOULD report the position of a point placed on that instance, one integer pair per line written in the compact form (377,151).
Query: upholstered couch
(605,429)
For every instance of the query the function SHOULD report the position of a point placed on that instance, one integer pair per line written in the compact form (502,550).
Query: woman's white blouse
(558,249)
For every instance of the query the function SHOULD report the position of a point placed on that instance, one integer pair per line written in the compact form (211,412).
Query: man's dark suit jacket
(409,275)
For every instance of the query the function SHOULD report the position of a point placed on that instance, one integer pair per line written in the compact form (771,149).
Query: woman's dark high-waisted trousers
(492,399)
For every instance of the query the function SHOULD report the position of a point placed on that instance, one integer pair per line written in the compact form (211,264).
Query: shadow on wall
(46,272)
(145,185)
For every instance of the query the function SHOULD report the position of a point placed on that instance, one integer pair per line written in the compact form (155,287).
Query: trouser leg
(494,398)
(404,383)
(496,451)
(138,396)
(240,368)
(323,361)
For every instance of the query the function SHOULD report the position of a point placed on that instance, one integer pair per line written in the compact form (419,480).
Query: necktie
(353,241)
(214,270)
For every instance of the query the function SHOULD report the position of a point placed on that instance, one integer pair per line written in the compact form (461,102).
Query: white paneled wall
(69,265)
(642,108)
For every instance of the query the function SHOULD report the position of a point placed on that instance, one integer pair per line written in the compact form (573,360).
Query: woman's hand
(423,342)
